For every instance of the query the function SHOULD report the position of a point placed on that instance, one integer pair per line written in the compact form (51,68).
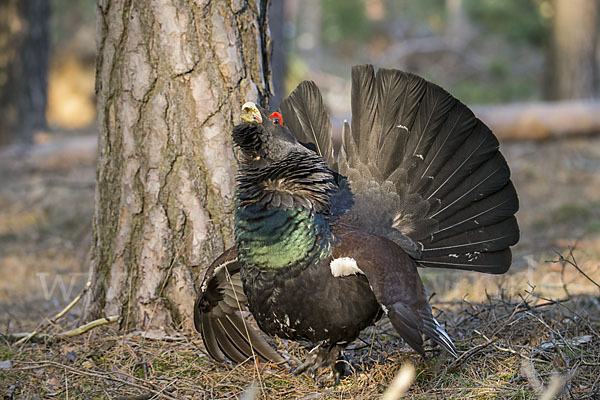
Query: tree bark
(171,78)
(23,68)
(574,50)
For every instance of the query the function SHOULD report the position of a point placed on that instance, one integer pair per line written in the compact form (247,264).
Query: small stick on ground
(68,308)
(24,336)
(53,320)
(573,262)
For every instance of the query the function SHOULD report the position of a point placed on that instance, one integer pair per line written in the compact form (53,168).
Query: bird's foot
(314,360)
(324,357)
(342,368)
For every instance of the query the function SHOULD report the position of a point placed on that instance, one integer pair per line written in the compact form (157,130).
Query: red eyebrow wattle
(278,116)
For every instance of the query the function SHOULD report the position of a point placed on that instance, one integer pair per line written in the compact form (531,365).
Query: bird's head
(275,169)
(262,136)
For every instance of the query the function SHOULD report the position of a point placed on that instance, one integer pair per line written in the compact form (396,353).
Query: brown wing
(396,284)
(218,315)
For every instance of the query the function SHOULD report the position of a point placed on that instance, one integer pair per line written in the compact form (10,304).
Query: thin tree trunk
(23,68)
(458,30)
(574,57)
(278,62)
(171,78)
(308,25)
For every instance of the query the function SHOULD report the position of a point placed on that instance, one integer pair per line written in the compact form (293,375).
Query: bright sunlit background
(528,68)
(482,51)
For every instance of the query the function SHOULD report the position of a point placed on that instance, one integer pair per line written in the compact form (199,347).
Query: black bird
(325,246)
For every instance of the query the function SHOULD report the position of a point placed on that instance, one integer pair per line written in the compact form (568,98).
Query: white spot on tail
(473,256)
(344,266)
(403,127)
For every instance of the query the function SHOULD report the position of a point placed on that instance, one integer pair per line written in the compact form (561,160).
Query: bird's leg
(321,356)
(310,362)
(341,368)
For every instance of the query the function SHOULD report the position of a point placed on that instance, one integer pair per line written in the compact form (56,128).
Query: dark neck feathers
(300,180)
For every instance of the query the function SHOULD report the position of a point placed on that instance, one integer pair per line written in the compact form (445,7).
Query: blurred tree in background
(518,21)
(23,68)
(575,34)
(278,61)
(483,51)
(71,96)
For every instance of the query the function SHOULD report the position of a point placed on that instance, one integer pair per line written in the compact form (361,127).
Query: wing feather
(218,315)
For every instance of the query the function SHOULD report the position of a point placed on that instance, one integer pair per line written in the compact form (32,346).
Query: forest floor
(537,325)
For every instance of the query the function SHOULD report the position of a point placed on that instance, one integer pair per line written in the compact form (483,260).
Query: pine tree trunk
(23,68)
(171,78)
(574,50)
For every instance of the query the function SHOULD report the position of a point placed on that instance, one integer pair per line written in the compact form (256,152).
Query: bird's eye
(276,118)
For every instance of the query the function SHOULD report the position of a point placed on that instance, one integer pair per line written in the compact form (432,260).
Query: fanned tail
(427,173)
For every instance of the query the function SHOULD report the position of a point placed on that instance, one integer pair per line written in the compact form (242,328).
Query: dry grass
(512,342)
(510,348)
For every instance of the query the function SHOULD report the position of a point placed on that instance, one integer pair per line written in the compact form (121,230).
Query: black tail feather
(485,181)
(482,240)
(479,147)
(453,191)
(305,116)
(364,110)
(407,324)
(433,111)
(433,329)
(489,211)
(205,327)
(491,263)
(228,345)
(399,94)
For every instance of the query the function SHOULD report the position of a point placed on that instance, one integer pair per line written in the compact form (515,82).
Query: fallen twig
(143,396)
(469,353)
(573,262)
(25,336)
(65,310)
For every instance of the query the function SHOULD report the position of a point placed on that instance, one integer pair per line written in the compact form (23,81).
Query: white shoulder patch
(344,266)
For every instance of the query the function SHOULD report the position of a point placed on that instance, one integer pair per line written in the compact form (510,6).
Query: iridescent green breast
(274,239)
